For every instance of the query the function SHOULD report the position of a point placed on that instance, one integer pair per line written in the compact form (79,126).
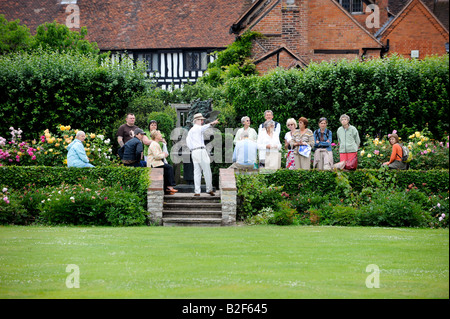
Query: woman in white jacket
(269,146)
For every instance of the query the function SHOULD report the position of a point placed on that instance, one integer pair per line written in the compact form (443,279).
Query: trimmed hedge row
(18,177)
(296,181)
(114,196)
(370,197)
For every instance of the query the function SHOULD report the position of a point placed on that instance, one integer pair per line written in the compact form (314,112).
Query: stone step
(192,214)
(199,222)
(192,206)
(189,197)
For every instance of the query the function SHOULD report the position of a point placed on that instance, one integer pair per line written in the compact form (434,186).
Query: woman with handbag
(290,160)
(269,147)
(349,142)
(302,141)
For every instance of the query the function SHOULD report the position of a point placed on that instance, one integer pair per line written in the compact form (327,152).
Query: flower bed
(51,149)
(114,196)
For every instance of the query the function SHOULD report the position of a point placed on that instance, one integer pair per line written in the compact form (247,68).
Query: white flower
(72,198)
(101,137)
(107,141)
(4,190)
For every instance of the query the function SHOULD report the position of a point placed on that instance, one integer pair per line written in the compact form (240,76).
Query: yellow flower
(57,145)
(412,136)
(419,143)
(38,148)
(369,155)
(92,135)
(19,153)
(68,128)
(362,153)
(381,154)
(87,144)
(417,134)
(410,147)
(65,162)
(51,150)
(428,150)
(62,127)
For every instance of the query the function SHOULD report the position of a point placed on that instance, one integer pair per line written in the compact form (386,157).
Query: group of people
(132,140)
(252,149)
(300,142)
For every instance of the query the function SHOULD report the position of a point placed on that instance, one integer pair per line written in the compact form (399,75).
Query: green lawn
(227,262)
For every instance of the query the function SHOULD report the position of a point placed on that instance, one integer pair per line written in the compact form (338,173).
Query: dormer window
(352,6)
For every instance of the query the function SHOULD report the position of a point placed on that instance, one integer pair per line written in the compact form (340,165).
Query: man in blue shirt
(244,155)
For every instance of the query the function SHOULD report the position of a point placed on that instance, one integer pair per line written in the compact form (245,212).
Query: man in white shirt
(268,115)
(200,157)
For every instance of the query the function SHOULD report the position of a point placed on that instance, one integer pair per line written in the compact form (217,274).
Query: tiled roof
(139,24)
(440,8)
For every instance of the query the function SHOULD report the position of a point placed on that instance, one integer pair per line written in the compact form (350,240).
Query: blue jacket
(76,156)
(131,150)
(328,135)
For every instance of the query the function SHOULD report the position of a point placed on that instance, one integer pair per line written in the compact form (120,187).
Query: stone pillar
(155,196)
(228,195)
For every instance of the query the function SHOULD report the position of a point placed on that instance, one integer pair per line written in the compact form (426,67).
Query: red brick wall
(331,28)
(416,29)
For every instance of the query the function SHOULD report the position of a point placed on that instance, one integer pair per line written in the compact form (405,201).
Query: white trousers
(201,161)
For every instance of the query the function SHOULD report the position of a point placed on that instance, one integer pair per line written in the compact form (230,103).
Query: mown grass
(227,262)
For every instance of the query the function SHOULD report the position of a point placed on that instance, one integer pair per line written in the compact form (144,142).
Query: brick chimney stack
(295,26)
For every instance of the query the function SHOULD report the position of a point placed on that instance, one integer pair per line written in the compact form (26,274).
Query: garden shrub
(394,209)
(284,214)
(78,205)
(41,89)
(369,197)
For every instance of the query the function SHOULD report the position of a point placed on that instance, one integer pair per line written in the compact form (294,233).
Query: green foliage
(78,205)
(254,194)
(18,177)
(13,36)
(380,95)
(58,37)
(42,89)
(232,62)
(363,197)
(48,36)
(113,196)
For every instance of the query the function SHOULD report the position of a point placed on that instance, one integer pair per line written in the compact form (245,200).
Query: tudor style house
(177,37)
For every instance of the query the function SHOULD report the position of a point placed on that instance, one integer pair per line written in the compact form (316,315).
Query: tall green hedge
(18,177)
(379,95)
(42,89)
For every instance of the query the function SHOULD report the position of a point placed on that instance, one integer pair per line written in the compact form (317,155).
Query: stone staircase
(185,209)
